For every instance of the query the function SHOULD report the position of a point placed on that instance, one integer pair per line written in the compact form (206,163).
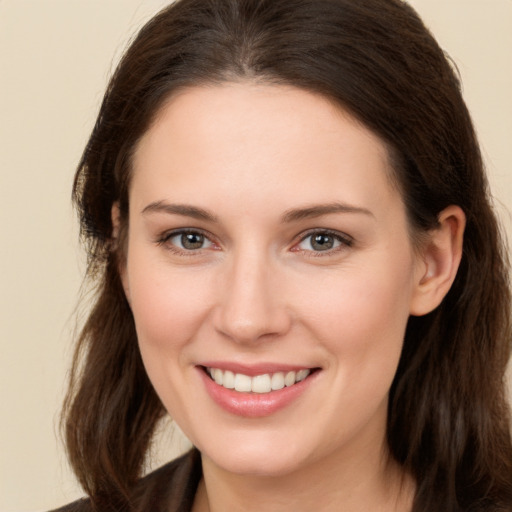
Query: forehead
(262,140)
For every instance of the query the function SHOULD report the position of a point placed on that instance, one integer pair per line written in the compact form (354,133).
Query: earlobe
(440,258)
(117,246)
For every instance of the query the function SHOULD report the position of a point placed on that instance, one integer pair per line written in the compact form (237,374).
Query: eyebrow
(313,211)
(180,209)
(293,215)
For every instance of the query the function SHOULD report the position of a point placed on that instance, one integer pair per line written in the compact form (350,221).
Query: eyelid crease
(165,236)
(342,237)
(346,241)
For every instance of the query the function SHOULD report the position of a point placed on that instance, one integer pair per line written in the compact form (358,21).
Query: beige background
(55,57)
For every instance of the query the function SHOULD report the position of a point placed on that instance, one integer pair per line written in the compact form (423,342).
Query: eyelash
(344,242)
(163,240)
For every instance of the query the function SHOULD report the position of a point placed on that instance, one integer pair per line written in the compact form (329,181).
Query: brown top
(170,488)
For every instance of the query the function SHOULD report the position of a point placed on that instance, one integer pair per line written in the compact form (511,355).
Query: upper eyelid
(333,232)
(179,231)
(166,235)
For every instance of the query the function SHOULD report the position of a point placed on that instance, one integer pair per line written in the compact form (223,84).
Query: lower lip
(254,405)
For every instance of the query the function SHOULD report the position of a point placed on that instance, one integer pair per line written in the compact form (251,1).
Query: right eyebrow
(184,210)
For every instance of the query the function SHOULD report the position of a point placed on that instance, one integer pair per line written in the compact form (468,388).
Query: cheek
(361,317)
(168,307)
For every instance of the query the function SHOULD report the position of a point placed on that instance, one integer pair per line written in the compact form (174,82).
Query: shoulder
(82,505)
(169,488)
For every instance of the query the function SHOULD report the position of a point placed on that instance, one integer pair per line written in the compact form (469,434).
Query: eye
(323,241)
(186,241)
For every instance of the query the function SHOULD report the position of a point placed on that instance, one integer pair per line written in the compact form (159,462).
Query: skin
(258,291)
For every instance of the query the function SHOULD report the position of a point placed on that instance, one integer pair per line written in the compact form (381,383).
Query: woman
(286,213)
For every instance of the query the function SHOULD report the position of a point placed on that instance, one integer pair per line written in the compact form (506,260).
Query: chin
(260,458)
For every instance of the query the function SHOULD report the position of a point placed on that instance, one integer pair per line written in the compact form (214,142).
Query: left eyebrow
(313,211)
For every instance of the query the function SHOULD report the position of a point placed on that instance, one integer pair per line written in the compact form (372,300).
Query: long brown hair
(449,423)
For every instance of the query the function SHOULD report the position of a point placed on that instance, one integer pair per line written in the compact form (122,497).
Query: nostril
(255,330)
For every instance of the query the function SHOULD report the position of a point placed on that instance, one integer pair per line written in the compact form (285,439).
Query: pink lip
(254,405)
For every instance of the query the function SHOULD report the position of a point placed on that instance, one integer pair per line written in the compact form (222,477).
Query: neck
(370,481)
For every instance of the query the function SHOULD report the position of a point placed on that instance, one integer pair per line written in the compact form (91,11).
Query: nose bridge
(251,307)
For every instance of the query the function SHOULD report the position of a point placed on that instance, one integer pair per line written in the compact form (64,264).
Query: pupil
(192,240)
(322,242)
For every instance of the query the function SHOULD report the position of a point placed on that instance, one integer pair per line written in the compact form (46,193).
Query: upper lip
(252,370)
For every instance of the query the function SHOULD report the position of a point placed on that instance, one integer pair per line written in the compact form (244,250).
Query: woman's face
(267,245)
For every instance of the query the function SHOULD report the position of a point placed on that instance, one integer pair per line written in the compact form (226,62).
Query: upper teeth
(260,383)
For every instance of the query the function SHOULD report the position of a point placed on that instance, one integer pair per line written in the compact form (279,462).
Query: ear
(439,261)
(115,214)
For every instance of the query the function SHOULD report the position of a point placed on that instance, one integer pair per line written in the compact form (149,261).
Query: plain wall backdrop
(55,59)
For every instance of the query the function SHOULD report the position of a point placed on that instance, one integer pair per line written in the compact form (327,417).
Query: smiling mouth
(257,384)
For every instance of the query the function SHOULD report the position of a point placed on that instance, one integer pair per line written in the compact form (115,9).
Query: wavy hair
(448,420)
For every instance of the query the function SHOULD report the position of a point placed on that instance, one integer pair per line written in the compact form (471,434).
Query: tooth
(242,382)
(277,381)
(289,380)
(261,384)
(258,384)
(228,381)
(301,375)
(217,376)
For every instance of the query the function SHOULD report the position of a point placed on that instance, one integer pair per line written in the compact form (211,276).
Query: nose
(252,304)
